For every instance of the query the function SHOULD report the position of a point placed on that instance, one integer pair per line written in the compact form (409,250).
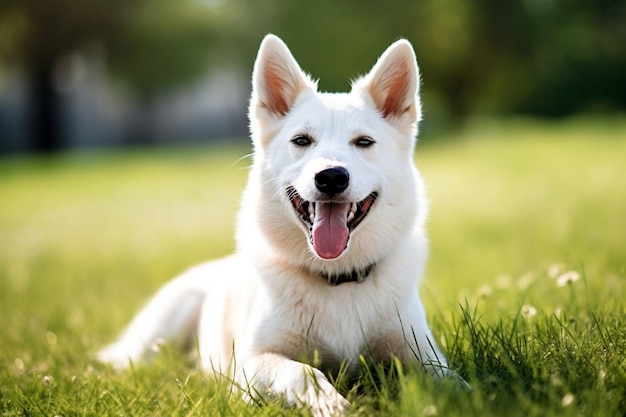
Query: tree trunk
(45,127)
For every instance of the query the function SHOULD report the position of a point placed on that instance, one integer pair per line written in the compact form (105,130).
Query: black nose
(332,181)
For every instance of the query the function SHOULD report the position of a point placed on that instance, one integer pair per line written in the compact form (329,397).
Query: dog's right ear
(277,80)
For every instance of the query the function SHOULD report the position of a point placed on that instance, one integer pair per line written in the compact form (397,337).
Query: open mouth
(330,222)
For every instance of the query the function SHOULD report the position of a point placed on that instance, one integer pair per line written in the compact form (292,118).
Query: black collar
(356,275)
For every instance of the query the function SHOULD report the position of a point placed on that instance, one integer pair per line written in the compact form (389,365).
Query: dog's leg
(299,384)
(171,316)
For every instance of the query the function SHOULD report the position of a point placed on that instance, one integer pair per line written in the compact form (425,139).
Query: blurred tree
(151,44)
(578,57)
(540,57)
(161,43)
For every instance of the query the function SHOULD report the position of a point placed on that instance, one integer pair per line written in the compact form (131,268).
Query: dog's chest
(330,331)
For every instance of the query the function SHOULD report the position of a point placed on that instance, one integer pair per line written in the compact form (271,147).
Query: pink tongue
(330,229)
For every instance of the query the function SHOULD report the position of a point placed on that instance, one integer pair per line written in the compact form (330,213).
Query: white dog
(331,242)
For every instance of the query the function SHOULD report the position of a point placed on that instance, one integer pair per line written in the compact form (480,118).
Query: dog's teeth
(352,212)
(312,210)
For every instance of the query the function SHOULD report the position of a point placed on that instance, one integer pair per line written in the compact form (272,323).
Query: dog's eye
(364,142)
(302,140)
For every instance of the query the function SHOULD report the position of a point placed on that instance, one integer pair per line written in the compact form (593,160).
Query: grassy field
(525,286)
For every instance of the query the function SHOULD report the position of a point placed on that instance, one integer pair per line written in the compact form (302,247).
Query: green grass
(86,238)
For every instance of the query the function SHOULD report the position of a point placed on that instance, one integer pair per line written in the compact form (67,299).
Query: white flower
(430,410)
(567,278)
(554,270)
(567,399)
(484,291)
(528,311)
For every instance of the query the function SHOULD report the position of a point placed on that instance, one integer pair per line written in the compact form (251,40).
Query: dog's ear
(277,80)
(393,83)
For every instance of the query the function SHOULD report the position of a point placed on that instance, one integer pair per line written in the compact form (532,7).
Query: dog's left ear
(393,84)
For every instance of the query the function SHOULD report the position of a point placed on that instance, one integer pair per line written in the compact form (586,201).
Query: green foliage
(524,288)
(151,45)
(550,58)
(163,44)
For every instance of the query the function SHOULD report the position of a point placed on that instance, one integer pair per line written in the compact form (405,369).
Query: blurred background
(96,73)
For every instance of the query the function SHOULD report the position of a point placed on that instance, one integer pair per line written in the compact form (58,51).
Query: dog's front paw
(315,392)
(324,401)
(296,383)
(329,407)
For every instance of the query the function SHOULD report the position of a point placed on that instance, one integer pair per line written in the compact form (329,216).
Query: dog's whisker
(249,156)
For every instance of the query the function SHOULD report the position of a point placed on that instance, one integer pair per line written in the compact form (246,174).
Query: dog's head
(335,171)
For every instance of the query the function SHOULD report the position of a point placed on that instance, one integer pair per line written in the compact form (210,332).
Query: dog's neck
(356,275)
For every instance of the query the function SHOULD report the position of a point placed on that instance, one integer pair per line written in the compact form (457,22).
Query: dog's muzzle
(330,223)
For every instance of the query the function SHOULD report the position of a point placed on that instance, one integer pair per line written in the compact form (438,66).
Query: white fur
(261,311)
